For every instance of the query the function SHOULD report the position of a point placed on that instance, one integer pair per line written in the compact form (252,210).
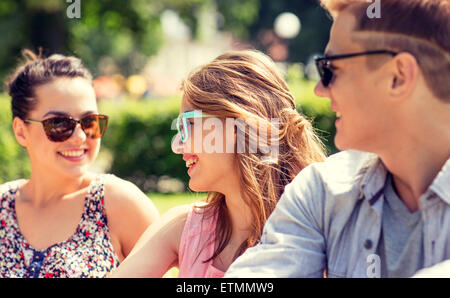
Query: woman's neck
(41,190)
(241,222)
(240,216)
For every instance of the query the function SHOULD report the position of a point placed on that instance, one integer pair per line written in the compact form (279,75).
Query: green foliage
(139,137)
(14,161)
(317,110)
(238,15)
(126,31)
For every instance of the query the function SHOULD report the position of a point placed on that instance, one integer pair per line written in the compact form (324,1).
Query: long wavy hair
(246,85)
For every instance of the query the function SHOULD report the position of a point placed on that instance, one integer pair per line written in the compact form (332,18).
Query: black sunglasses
(325,68)
(60,128)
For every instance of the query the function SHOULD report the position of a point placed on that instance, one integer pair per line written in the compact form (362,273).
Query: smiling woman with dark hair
(64,221)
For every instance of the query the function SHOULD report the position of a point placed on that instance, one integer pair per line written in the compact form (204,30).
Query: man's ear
(405,74)
(19,128)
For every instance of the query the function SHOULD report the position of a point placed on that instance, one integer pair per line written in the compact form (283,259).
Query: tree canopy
(128,32)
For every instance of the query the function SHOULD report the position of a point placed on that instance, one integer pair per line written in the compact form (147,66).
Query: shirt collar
(372,183)
(441,183)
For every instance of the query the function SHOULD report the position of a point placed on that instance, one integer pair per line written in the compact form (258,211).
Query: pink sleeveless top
(197,246)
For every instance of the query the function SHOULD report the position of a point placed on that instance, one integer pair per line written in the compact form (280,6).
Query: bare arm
(157,250)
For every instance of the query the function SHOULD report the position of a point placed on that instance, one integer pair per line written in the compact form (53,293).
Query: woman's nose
(79,133)
(177,144)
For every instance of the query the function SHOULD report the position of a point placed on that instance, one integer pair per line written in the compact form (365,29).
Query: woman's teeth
(338,114)
(190,162)
(72,153)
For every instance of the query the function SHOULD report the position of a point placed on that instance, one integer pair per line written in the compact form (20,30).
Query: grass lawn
(166,201)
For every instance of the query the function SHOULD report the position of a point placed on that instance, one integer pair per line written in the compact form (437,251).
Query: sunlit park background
(139,51)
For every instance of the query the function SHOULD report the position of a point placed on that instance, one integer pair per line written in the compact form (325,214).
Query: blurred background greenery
(138,52)
(127,33)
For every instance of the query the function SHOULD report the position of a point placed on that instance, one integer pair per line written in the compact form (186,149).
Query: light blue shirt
(330,218)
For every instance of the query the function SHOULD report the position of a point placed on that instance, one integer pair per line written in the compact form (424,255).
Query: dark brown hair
(420,27)
(37,71)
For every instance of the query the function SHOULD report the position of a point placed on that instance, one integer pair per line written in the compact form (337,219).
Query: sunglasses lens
(326,74)
(59,129)
(94,126)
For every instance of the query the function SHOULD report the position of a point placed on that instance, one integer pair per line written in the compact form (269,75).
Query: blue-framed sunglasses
(183,126)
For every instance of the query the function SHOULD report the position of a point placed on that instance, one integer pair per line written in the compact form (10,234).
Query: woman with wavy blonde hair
(244,166)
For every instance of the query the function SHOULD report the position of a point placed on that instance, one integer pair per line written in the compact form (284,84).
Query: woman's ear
(19,128)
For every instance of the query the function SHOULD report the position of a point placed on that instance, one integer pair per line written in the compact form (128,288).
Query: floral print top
(87,253)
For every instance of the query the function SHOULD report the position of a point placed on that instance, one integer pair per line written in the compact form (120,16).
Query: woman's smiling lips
(191,161)
(73,154)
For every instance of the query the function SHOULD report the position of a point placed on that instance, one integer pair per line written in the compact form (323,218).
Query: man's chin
(340,143)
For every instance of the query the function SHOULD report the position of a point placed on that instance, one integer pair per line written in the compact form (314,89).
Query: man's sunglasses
(183,126)
(325,69)
(60,128)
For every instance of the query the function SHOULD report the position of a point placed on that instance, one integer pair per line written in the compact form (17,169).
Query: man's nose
(321,91)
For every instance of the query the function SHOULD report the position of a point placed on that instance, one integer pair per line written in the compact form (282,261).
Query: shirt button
(367,244)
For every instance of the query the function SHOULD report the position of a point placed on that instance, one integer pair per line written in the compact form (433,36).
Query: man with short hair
(381,208)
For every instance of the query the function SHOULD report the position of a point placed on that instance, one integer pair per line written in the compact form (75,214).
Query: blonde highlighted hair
(420,27)
(246,85)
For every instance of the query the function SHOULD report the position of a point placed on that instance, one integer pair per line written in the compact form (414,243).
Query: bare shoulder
(130,212)
(175,218)
(16,183)
(118,187)
(123,195)
(177,215)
